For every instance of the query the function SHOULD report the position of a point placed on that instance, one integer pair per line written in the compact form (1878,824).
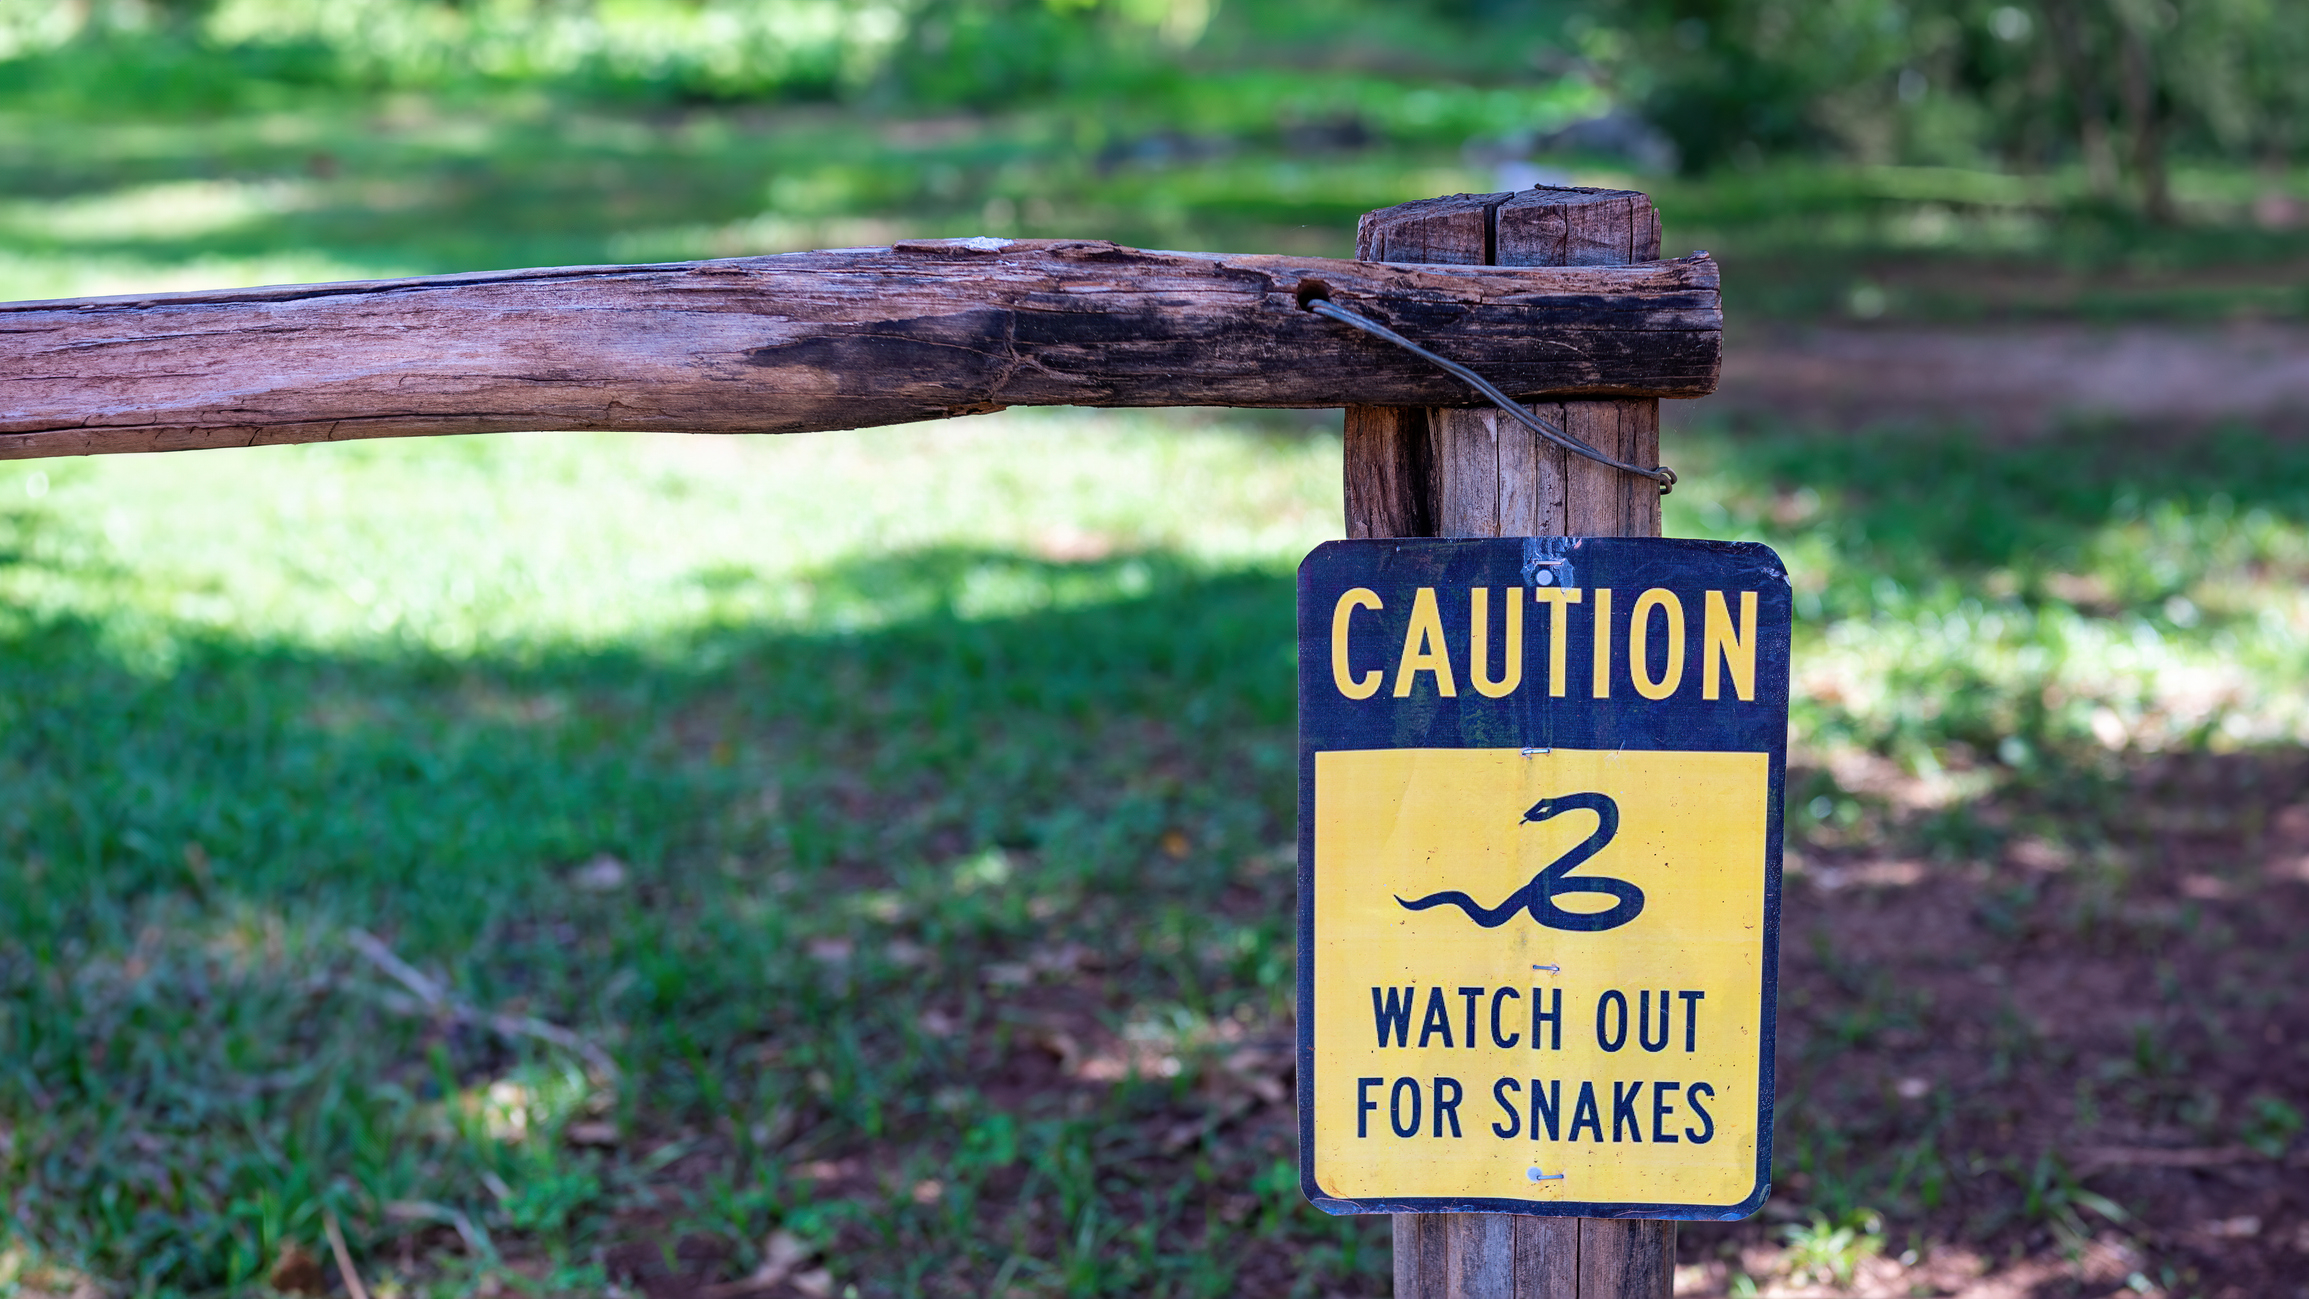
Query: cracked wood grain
(826,340)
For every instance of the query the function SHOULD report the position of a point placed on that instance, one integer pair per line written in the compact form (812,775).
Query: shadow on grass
(802,851)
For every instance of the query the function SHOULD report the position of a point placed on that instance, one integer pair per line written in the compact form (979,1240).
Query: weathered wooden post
(1452,472)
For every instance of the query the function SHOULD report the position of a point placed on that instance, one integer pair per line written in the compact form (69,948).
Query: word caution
(1649,649)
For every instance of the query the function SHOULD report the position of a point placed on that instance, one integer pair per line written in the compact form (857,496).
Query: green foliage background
(2115,86)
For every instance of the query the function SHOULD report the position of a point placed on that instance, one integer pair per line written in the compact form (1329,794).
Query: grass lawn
(905,814)
(862,860)
(323,185)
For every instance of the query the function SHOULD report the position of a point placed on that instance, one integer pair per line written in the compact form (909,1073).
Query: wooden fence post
(1452,472)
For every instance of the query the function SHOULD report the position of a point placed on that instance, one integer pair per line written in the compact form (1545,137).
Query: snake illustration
(1538,896)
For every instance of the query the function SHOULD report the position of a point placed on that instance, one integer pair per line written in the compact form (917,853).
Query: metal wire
(1660,474)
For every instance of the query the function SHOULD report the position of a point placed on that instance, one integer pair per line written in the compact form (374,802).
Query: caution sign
(1539,874)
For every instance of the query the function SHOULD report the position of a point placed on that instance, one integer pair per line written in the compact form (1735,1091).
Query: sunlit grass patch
(2024,611)
(558,539)
(103,275)
(328,183)
(172,210)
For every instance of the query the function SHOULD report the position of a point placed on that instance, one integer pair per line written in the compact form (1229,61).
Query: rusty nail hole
(1312,290)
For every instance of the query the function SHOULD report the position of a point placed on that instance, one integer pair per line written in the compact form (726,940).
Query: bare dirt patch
(2020,379)
(2066,1070)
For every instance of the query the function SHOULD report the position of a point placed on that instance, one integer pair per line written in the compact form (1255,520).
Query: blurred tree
(1734,79)
(2138,79)
(2116,85)
(2114,88)
(983,53)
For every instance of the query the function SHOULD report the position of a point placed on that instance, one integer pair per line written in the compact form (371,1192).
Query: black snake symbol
(1539,895)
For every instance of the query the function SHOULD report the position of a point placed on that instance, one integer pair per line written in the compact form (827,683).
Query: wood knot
(1092,250)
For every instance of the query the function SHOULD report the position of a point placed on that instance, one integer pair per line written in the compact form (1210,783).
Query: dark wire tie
(1661,474)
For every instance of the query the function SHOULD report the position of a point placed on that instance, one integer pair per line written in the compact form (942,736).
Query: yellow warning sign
(1539,923)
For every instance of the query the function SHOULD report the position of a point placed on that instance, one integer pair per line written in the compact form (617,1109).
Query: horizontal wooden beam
(827,340)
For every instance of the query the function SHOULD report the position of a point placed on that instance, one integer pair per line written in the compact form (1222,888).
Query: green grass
(819,695)
(330,185)
(1802,241)
(338,185)
(947,771)
(925,752)
(1976,601)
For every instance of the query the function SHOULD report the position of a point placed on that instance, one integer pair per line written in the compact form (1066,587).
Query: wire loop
(1328,309)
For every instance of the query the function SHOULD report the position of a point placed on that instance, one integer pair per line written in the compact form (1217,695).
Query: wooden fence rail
(827,340)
